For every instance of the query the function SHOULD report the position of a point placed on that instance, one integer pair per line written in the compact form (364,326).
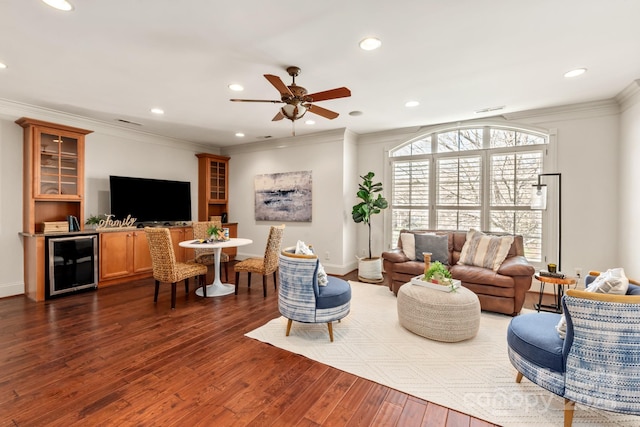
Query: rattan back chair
(206,256)
(268,265)
(165,267)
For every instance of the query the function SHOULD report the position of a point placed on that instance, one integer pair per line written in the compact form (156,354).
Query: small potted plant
(94,220)
(216,233)
(437,273)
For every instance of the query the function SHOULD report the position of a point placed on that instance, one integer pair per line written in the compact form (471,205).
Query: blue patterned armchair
(597,364)
(300,298)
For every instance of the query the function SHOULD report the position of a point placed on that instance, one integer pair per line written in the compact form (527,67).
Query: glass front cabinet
(53,173)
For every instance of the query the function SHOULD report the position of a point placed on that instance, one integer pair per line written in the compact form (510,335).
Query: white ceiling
(116,59)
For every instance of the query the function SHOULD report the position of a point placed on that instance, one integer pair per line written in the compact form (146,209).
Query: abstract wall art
(283,196)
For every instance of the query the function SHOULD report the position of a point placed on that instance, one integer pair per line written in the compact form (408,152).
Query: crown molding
(292,141)
(570,111)
(14,110)
(629,96)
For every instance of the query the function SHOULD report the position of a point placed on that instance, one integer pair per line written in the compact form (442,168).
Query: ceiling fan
(297,101)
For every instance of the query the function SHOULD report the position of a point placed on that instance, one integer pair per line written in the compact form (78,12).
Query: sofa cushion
(533,336)
(437,245)
(485,251)
(408,245)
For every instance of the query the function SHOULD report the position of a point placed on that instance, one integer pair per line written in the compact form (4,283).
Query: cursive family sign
(118,223)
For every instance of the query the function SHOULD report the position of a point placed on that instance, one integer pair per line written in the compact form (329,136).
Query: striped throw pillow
(485,251)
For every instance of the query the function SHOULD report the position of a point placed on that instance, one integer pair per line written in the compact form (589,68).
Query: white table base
(217,290)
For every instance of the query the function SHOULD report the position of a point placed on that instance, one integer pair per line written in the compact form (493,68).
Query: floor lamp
(539,202)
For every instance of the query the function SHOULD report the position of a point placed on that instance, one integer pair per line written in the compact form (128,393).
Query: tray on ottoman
(443,288)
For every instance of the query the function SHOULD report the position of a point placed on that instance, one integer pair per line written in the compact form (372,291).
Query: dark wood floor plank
(113,357)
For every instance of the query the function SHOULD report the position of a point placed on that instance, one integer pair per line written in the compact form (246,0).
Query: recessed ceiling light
(63,5)
(239,134)
(158,111)
(356,113)
(411,104)
(3,66)
(236,87)
(370,43)
(309,122)
(575,73)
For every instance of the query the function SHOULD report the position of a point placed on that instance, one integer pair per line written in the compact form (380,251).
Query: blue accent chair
(597,364)
(301,299)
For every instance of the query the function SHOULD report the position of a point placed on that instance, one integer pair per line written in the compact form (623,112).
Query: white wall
(323,155)
(587,156)
(629,181)
(11,277)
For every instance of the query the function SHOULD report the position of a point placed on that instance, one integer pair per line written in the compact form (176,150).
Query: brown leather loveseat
(501,291)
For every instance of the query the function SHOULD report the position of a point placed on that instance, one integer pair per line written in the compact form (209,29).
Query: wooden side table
(558,293)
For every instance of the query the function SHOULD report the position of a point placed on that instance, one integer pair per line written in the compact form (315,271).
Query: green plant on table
(438,273)
(215,233)
(94,219)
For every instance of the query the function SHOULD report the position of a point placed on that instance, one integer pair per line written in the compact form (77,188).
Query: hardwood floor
(112,357)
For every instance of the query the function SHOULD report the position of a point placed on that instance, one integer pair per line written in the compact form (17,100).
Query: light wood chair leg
(289,322)
(519,377)
(569,409)
(330,326)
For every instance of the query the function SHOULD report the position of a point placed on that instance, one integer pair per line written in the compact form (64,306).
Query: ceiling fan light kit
(296,99)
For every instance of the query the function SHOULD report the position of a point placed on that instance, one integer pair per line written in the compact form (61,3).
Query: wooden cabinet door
(178,235)
(141,254)
(115,254)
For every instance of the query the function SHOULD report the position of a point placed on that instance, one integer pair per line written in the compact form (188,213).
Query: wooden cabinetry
(124,255)
(53,185)
(213,185)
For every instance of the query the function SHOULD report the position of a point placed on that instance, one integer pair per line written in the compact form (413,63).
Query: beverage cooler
(72,264)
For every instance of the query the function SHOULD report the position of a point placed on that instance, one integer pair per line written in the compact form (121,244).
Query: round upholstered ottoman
(438,315)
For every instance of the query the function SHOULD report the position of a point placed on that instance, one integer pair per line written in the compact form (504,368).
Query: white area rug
(474,376)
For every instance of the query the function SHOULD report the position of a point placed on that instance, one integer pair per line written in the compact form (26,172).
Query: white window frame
(549,248)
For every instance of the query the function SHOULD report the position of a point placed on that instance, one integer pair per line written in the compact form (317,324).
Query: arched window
(469,177)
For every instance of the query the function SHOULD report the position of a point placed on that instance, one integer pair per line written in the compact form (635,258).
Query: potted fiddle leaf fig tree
(371,203)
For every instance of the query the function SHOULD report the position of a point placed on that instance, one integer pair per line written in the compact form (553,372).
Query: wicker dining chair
(266,265)
(206,256)
(165,267)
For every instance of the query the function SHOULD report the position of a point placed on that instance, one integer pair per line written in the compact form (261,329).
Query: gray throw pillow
(437,245)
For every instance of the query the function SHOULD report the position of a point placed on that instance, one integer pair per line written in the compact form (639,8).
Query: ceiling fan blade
(278,116)
(256,100)
(279,85)
(340,92)
(327,114)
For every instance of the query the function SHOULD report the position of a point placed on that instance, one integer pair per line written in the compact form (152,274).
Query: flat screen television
(150,200)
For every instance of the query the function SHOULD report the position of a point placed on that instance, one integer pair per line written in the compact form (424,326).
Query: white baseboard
(11,289)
